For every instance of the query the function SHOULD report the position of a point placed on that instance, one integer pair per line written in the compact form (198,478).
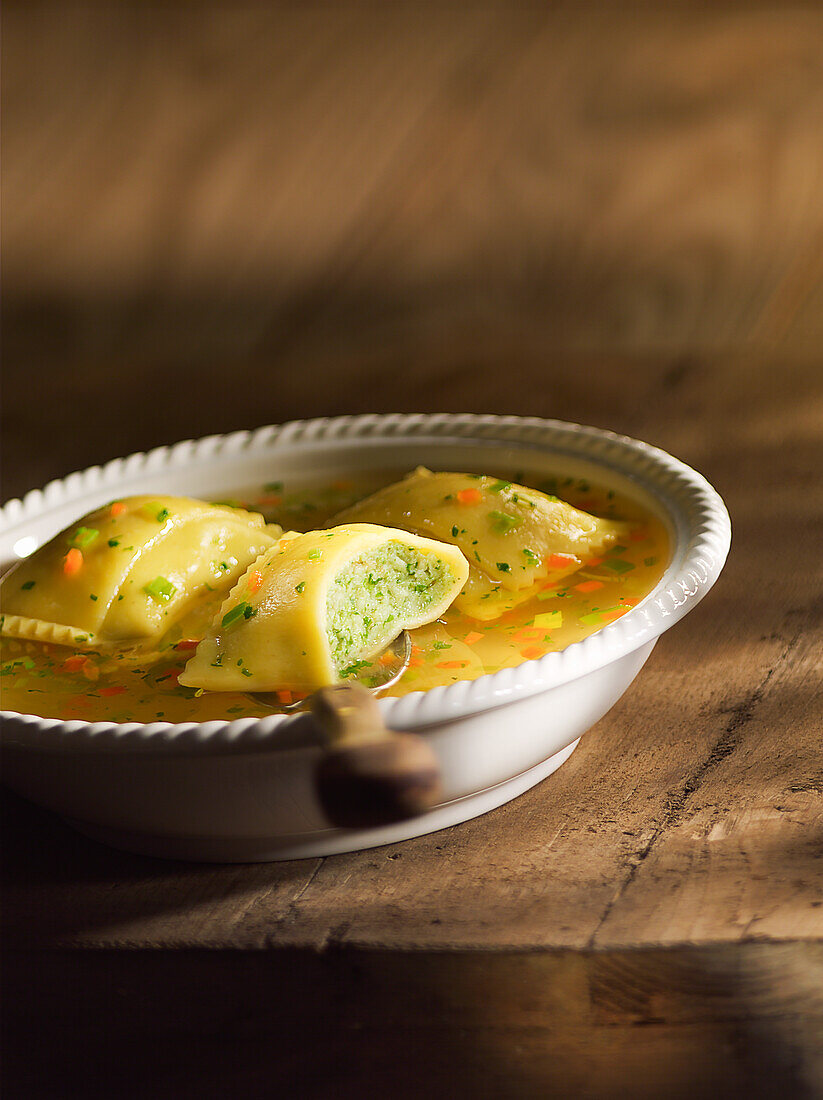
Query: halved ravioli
(125,572)
(316,604)
(514,538)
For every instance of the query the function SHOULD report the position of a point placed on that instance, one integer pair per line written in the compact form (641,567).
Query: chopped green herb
(238,612)
(160,589)
(617,550)
(245,672)
(501,522)
(114,542)
(28,585)
(455,531)
(162,515)
(300,587)
(531,557)
(503,566)
(650,561)
(441,645)
(218,661)
(273,486)
(83,537)
(618,566)
(500,486)
(352,669)
(93,597)
(313,555)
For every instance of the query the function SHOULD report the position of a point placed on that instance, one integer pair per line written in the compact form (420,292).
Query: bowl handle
(369,775)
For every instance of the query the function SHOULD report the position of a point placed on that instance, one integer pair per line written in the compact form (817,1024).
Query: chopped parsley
(618,566)
(455,531)
(501,522)
(160,589)
(114,542)
(500,486)
(531,557)
(299,588)
(238,612)
(503,566)
(352,669)
(28,585)
(83,537)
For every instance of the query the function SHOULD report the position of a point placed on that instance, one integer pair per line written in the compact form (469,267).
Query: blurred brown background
(222,215)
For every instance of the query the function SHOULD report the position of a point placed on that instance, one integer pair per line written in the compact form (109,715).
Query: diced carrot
(116,689)
(469,496)
(532,652)
(629,601)
(284,698)
(588,586)
(255,581)
(73,664)
(451,664)
(594,561)
(639,536)
(73,562)
(386,659)
(615,613)
(417,651)
(117,509)
(75,704)
(91,671)
(187,643)
(269,501)
(560,561)
(415,662)
(341,485)
(472,637)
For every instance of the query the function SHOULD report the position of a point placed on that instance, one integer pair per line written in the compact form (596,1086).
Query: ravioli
(126,572)
(515,538)
(316,604)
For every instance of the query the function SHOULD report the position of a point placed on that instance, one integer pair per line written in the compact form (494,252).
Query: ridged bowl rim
(697,514)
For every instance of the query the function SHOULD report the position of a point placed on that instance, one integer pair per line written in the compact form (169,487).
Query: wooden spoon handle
(370,775)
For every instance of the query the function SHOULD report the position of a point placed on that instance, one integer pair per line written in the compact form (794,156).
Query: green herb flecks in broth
(58,682)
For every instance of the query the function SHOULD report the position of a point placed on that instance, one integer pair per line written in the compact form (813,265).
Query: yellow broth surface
(136,686)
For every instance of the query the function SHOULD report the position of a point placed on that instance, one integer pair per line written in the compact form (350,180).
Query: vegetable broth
(131,685)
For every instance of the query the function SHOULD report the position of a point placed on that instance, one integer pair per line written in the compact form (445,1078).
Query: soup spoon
(400,649)
(368,775)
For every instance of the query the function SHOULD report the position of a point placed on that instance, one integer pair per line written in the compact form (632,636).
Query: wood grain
(218,216)
(744,1019)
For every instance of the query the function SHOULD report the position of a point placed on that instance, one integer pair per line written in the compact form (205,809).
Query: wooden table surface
(221,217)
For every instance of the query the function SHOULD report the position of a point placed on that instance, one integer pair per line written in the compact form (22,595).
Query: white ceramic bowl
(243,790)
